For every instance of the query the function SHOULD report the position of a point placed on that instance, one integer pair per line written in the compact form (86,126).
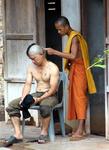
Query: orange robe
(77,104)
(80,79)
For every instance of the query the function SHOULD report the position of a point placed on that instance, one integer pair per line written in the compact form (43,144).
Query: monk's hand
(50,51)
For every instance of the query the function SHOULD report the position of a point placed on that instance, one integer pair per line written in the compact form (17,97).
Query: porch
(91,142)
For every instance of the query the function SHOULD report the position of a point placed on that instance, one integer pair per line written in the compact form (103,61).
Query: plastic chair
(60,107)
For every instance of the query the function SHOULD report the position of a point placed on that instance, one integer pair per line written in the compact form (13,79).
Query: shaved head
(63,21)
(34,49)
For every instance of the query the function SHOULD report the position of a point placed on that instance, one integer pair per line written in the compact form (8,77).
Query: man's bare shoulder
(30,67)
(53,66)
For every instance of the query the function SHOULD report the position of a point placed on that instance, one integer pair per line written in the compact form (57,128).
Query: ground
(92,142)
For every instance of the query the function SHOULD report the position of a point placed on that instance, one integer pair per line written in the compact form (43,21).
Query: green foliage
(99,60)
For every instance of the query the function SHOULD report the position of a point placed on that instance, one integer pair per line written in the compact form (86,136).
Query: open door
(22,27)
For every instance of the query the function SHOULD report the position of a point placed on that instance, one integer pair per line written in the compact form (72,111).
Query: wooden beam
(16,80)
(11,36)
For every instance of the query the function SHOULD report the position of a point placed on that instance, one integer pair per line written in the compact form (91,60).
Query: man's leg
(16,124)
(45,111)
(45,125)
(45,118)
(13,110)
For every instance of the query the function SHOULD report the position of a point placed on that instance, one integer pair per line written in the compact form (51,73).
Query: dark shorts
(13,108)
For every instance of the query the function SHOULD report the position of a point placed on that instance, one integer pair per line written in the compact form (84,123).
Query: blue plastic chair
(60,107)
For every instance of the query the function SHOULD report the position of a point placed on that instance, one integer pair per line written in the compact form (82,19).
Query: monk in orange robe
(76,62)
(77,104)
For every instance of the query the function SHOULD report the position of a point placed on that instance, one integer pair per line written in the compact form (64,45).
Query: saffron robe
(80,78)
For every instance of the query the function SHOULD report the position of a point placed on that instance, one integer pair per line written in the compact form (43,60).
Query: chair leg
(61,118)
(23,126)
(51,129)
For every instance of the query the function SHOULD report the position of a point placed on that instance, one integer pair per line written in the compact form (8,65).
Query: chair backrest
(62,88)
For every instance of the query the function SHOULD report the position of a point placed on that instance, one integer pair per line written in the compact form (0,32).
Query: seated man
(46,75)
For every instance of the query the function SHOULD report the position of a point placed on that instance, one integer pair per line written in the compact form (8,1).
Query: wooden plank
(16,60)
(107,20)
(19,36)
(20,31)
(41,23)
(20,16)
(16,80)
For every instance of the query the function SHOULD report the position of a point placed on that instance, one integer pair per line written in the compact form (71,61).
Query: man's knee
(13,110)
(45,111)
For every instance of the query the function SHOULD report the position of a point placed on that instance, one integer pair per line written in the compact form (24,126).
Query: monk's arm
(71,56)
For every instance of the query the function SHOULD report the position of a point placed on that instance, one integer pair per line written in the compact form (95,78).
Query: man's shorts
(13,108)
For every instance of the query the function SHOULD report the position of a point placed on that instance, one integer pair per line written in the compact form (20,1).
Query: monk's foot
(77,132)
(78,136)
(71,133)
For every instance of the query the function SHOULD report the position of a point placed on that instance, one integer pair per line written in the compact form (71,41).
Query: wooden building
(28,21)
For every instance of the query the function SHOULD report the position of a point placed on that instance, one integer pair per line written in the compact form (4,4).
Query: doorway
(53,40)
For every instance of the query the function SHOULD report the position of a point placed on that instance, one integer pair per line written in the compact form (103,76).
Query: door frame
(106,4)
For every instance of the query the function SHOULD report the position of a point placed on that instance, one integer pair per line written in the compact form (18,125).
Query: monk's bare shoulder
(75,40)
(75,47)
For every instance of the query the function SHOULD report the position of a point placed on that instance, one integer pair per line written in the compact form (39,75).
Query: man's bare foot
(18,136)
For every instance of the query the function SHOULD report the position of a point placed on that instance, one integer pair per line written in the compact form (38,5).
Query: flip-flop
(43,139)
(4,139)
(77,137)
(33,140)
(72,133)
(11,141)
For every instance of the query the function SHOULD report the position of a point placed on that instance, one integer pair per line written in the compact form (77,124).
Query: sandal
(11,141)
(77,137)
(72,133)
(43,139)
(33,140)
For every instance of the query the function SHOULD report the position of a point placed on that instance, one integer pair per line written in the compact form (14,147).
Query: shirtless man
(46,75)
